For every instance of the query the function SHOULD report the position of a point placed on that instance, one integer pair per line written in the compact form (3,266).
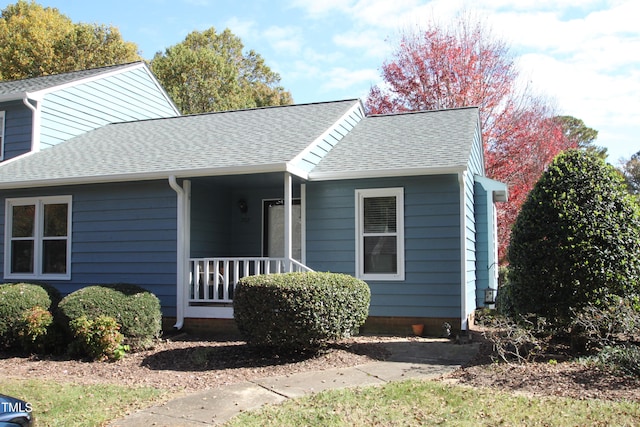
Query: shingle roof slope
(35,84)
(437,140)
(184,146)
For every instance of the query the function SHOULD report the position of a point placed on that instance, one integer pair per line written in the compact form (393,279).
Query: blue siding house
(103,181)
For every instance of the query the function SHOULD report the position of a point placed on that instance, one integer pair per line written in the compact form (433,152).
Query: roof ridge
(239,110)
(266,107)
(401,113)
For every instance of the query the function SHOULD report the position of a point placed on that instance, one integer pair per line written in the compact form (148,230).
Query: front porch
(212,281)
(233,227)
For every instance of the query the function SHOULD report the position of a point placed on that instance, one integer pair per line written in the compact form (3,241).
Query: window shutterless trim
(360,195)
(38,237)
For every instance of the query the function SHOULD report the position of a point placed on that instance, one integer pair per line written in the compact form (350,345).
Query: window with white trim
(38,238)
(380,234)
(2,135)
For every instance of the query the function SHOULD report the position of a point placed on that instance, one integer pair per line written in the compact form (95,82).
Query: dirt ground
(564,377)
(183,363)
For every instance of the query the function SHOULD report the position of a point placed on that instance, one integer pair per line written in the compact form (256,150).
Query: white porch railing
(212,280)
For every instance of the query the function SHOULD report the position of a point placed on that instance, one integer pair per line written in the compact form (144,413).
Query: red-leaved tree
(464,65)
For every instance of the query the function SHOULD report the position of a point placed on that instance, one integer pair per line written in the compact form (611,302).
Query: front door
(273,229)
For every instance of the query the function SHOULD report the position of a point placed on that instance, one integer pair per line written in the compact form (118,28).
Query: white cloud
(317,9)
(368,43)
(583,53)
(244,29)
(343,78)
(586,55)
(286,40)
(312,56)
(528,5)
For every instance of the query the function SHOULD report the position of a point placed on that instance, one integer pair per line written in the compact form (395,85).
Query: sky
(583,54)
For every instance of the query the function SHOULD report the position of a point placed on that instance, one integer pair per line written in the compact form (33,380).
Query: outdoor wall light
(242,205)
(490,296)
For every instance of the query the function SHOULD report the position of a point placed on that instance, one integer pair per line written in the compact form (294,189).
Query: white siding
(130,95)
(310,157)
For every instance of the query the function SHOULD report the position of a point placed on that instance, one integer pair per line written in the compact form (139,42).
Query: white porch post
(288,227)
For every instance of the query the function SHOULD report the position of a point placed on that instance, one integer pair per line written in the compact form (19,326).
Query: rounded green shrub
(33,327)
(575,241)
(135,309)
(299,311)
(26,314)
(99,339)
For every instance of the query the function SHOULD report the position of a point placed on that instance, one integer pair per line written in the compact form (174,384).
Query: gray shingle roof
(17,87)
(261,139)
(420,141)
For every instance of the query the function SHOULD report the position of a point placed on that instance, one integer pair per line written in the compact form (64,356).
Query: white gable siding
(315,152)
(131,95)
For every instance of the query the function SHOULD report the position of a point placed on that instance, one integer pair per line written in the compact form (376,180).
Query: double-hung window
(38,238)
(380,234)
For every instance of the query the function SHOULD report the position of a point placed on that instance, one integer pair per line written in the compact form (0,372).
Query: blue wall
(120,233)
(218,228)
(210,220)
(432,242)
(17,129)
(475,166)
(487,262)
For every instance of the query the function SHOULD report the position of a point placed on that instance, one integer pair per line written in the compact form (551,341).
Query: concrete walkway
(420,358)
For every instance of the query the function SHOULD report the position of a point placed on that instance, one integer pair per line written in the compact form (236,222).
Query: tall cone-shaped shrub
(575,241)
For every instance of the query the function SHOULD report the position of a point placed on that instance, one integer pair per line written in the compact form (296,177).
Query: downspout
(303,219)
(464,324)
(35,123)
(287,220)
(180,252)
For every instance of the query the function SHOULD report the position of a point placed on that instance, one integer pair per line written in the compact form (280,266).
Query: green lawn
(408,403)
(68,405)
(428,403)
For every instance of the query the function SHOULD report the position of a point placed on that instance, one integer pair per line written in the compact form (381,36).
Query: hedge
(299,311)
(26,314)
(136,310)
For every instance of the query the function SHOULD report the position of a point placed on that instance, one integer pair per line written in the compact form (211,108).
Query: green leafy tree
(37,41)
(575,241)
(631,172)
(210,72)
(575,130)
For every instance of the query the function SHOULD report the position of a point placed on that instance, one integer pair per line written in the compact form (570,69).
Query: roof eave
(19,96)
(151,176)
(126,67)
(384,173)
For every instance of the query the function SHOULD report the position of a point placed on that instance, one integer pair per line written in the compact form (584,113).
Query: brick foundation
(402,325)
(227,329)
(207,328)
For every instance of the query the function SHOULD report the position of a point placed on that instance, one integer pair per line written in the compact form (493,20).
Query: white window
(1,135)
(380,234)
(38,238)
